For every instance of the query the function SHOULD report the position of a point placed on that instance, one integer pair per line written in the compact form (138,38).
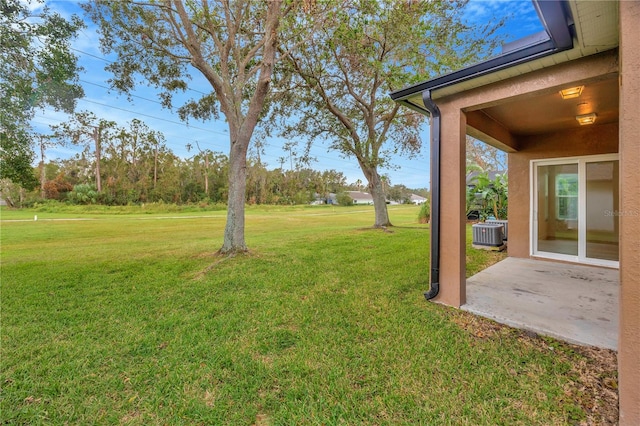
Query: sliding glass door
(575,209)
(601,210)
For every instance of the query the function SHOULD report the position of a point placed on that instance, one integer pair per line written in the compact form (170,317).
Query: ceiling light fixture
(586,118)
(571,92)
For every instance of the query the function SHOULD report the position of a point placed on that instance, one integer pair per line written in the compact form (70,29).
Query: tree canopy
(38,70)
(485,157)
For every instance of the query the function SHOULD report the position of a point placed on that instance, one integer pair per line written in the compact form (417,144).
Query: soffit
(596,24)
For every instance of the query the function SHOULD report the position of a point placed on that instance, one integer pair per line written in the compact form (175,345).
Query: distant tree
(366,49)
(44,141)
(38,70)
(232,44)
(139,147)
(169,183)
(332,181)
(260,182)
(85,129)
(484,156)
(400,194)
(157,142)
(423,192)
(77,169)
(57,188)
(210,165)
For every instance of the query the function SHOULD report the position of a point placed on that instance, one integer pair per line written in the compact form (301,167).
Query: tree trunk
(234,230)
(378,195)
(96,138)
(155,167)
(206,174)
(43,178)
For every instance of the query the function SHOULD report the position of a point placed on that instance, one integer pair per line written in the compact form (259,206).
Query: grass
(130,318)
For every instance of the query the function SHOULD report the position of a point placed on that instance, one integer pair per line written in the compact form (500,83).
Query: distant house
(358,197)
(329,199)
(417,199)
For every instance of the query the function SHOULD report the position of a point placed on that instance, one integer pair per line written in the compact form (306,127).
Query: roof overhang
(573,29)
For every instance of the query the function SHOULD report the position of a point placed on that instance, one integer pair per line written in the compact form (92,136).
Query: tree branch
(193,46)
(315,84)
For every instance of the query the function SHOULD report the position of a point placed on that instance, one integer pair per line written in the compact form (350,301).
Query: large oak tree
(365,50)
(232,44)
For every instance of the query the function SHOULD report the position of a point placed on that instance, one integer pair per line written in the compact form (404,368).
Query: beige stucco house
(565,106)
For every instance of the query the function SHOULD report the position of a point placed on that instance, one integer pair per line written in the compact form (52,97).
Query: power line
(275,157)
(92,55)
(172,136)
(151,116)
(174,122)
(111,62)
(268,155)
(271,156)
(110,88)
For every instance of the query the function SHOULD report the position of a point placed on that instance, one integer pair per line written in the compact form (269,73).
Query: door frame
(581,161)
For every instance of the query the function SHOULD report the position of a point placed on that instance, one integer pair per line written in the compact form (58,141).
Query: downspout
(434,112)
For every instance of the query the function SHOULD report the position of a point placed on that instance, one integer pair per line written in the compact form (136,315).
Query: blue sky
(213,135)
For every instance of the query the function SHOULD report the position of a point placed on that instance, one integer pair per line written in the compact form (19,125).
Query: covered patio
(574,303)
(565,109)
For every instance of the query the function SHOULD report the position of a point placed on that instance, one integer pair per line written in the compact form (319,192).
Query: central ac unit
(488,234)
(501,222)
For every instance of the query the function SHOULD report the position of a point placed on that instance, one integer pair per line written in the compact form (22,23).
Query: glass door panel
(558,209)
(602,197)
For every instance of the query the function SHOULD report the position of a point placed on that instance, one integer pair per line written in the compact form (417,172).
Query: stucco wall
(589,140)
(629,338)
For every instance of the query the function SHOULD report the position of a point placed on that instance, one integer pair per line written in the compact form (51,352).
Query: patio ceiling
(548,112)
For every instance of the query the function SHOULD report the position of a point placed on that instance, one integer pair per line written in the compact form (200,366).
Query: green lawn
(128,317)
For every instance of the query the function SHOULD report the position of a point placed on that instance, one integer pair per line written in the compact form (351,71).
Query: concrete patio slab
(574,303)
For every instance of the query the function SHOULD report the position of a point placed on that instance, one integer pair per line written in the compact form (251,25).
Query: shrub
(83,194)
(343,199)
(58,188)
(424,215)
(489,198)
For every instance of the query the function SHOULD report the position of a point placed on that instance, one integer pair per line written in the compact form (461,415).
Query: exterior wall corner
(629,140)
(452,206)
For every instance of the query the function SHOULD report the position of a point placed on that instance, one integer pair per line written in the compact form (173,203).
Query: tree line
(131,164)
